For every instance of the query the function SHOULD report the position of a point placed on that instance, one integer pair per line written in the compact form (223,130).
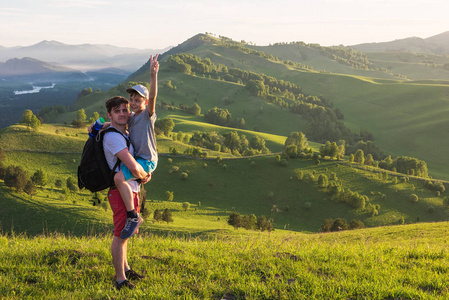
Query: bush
(186,206)
(414,198)
(184,175)
(169,196)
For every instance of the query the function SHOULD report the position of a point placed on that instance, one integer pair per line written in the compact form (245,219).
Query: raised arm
(154,69)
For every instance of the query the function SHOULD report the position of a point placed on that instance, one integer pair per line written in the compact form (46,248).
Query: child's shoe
(131,226)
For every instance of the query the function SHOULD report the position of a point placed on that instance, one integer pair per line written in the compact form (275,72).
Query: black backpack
(94,173)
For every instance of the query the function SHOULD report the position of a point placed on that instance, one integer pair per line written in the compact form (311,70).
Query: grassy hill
(397,262)
(406,118)
(256,185)
(57,242)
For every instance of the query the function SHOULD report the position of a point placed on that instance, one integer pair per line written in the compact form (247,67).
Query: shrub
(186,206)
(356,224)
(414,198)
(169,196)
(184,175)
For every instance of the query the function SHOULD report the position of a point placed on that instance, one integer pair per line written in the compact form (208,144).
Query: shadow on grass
(21,214)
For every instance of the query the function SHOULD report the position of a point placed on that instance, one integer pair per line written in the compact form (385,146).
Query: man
(115,147)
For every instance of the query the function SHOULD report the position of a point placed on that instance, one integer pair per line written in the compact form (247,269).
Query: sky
(148,24)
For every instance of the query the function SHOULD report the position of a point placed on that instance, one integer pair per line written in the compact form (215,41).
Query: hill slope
(288,194)
(406,118)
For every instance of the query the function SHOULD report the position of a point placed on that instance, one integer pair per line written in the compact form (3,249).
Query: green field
(55,244)
(398,262)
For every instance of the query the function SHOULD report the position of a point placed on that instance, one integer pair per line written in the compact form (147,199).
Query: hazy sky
(158,24)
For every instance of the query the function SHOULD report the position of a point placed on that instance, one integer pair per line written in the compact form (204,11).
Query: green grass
(245,185)
(400,262)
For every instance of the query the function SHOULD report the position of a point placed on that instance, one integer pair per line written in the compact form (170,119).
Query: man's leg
(119,253)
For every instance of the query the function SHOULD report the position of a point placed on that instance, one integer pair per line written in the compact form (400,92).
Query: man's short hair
(115,102)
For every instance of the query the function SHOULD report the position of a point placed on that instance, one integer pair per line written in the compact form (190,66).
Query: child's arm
(154,68)
(105,125)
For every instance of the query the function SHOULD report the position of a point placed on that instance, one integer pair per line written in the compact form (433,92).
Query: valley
(332,215)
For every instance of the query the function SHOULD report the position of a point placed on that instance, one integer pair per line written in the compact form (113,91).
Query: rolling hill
(437,44)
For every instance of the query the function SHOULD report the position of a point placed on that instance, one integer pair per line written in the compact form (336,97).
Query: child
(143,139)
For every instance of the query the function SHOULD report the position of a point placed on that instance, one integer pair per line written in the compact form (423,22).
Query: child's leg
(125,190)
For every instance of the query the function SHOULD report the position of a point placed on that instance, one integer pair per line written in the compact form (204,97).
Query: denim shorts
(148,165)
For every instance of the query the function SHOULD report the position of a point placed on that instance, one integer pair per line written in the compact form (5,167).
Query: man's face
(119,115)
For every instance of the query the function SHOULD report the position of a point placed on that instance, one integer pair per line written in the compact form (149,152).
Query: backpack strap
(128,143)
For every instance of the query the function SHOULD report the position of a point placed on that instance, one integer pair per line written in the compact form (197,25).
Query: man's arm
(154,68)
(132,165)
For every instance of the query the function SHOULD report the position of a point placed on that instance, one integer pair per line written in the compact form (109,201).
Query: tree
(39,177)
(339,224)
(169,196)
(323,181)
(186,206)
(218,116)
(297,138)
(35,122)
(58,183)
(261,223)
(356,224)
(351,158)
(195,109)
(72,184)
(369,160)
(359,156)
(16,177)
(256,87)
(81,115)
(291,151)
(165,125)
(30,188)
(26,117)
(167,216)
(157,215)
(235,220)
(414,198)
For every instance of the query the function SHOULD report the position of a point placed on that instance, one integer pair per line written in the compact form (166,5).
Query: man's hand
(146,179)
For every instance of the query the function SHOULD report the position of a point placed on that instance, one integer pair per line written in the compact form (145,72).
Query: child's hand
(89,129)
(154,64)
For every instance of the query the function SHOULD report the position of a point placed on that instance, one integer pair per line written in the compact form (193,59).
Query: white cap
(143,91)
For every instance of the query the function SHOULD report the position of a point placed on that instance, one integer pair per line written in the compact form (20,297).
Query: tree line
(325,121)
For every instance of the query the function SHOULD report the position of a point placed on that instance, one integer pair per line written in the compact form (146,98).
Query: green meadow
(55,243)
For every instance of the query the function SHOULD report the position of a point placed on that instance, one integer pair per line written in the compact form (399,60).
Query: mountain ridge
(437,44)
(83,56)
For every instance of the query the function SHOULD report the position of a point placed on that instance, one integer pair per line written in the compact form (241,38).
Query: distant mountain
(438,44)
(30,67)
(83,57)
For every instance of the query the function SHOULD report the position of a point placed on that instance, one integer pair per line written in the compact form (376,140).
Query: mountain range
(82,57)
(437,44)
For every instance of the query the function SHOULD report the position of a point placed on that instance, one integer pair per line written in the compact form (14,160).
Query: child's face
(137,102)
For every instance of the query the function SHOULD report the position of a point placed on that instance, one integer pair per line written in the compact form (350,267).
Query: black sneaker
(131,274)
(125,283)
(131,226)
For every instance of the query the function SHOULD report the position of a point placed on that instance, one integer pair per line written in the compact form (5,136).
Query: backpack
(94,173)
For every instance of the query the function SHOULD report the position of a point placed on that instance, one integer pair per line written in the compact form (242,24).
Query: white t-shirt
(114,142)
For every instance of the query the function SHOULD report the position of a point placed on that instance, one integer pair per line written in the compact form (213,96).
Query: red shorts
(119,209)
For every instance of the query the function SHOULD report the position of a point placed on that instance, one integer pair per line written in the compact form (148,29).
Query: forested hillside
(327,139)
